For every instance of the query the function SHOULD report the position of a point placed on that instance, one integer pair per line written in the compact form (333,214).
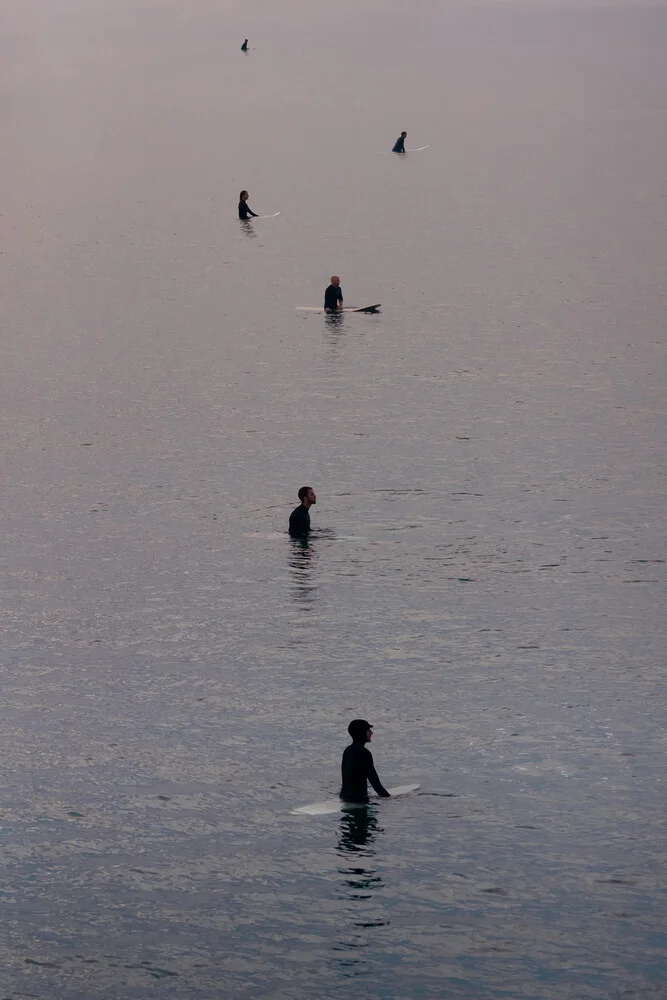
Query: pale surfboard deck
(265,535)
(271,216)
(347,309)
(414,149)
(337,805)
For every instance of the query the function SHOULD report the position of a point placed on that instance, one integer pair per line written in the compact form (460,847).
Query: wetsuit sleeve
(372,776)
(250,212)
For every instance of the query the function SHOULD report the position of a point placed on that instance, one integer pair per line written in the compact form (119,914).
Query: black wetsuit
(332,297)
(244,47)
(299,522)
(399,145)
(244,211)
(358,768)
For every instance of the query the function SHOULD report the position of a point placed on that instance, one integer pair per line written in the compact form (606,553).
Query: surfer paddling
(399,145)
(244,210)
(357,765)
(299,519)
(333,296)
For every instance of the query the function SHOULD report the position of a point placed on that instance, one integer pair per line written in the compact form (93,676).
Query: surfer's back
(355,766)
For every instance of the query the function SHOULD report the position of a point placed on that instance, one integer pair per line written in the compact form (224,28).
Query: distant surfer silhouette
(244,210)
(299,519)
(244,47)
(399,145)
(357,765)
(333,296)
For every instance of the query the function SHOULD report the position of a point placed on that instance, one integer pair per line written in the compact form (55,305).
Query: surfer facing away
(333,296)
(299,519)
(399,145)
(244,210)
(357,765)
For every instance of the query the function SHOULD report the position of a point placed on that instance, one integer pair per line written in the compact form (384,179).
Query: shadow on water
(360,883)
(301,563)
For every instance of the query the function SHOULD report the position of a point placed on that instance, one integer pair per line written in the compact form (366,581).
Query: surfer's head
(244,196)
(335,280)
(404,135)
(360,731)
(307,496)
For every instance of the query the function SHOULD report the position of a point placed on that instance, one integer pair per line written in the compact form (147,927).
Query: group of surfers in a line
(357,767)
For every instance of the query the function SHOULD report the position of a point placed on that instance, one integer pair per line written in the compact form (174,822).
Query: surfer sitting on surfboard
(399,145)
(299,519)
(244,210)
(357,765)
(333,296)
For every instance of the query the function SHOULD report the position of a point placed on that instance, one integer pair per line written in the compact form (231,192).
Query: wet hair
(358,729)
(242,194)
(303,492)
(404,133)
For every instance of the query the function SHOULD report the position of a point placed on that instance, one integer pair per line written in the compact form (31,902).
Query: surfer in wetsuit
(357,765)
(244,210)
(399,145)
(299,519)
(333,296)
(244,47)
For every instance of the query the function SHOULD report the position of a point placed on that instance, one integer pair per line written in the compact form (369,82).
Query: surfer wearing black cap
(357,765)
(299,519)
(399,145)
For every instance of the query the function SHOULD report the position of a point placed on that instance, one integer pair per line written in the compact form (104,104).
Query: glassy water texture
(485,581)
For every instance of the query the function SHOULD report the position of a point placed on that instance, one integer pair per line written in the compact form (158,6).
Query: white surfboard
(265,535)
(347,309)
(416,149)
(337,805)
(272,216)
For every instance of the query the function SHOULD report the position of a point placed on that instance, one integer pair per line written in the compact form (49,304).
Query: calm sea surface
(485,581)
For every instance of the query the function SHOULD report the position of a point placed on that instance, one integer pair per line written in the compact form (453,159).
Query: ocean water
(485,579)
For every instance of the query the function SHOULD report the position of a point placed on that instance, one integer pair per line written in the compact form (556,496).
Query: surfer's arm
(372,776)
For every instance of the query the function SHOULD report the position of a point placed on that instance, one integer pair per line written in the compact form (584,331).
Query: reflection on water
(176,673)
(360,884)
(334,335)
(301,561)
(358,828)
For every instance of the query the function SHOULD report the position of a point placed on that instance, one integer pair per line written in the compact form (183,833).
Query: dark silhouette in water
(399,145)
(357,765)
(244,209)
(299,519)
